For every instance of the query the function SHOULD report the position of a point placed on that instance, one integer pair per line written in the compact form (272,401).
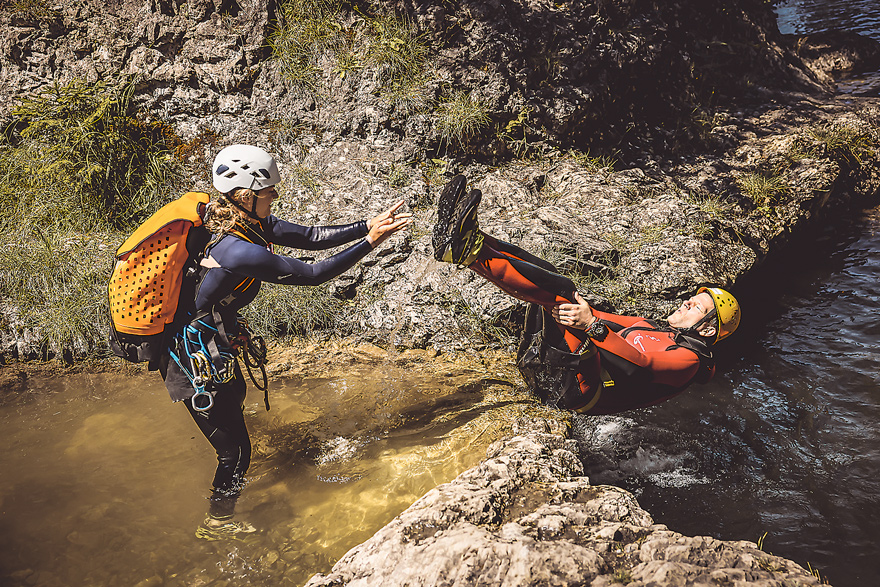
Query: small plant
(56,282)
(711,205)
(306,29)
(817,574)
(435,171)
(845,142)
(395,49)
(516,132)
(314,38)
(307,178)
(591,163)
(34,9)
(622,575)
(460,116)
(398,177)
(761,541)
(408,95)
(770,565)
(765,191)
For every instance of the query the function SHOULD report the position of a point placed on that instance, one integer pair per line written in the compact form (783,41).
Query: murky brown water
(105,480)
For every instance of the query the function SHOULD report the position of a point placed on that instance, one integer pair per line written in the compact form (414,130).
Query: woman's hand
(579,315)
(386,224)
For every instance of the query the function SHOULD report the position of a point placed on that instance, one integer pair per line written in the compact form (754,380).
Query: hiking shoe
(229,530)
(457,237)
(453,192)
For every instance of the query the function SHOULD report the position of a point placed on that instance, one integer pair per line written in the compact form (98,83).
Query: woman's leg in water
(224,427)
(532,279)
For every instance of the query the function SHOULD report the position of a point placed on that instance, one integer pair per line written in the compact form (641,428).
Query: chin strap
(252,213)
(712,315)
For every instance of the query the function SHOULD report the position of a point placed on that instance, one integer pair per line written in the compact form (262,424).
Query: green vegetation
(56,282)
(282,310)
(593,163)
(515,133)
(764,190)
(307,29)
(35,9)
(77,167)
(460,116)
(622,575)
(846,143)
(316,39)
(82,160)
(713,209)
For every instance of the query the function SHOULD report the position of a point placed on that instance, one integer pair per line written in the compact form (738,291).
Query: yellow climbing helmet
(726,309)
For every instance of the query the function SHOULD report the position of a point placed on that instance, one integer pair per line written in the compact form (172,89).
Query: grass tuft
(55,283)
(315,40)
(764,190)
(846,143)
(460,116)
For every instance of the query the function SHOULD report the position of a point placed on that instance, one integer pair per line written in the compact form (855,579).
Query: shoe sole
(446,206)
(466,226)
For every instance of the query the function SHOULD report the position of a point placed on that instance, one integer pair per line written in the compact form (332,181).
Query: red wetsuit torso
(645,363)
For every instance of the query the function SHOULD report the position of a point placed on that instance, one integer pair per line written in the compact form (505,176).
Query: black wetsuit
(245,260)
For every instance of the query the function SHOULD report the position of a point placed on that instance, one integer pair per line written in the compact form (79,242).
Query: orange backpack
(145,286)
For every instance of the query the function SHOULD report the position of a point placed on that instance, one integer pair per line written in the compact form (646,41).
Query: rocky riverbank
(665,203)
(527,516)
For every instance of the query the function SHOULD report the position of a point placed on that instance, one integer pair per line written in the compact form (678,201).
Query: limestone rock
(526,516)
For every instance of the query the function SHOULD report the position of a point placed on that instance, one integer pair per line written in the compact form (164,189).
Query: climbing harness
(254,352)
(203,360)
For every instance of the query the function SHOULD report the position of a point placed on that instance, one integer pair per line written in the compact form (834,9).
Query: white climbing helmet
(244,166)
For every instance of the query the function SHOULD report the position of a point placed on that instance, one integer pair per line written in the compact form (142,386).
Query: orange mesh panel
(139,293)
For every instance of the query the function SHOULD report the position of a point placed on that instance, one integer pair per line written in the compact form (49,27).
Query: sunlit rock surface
(527,516)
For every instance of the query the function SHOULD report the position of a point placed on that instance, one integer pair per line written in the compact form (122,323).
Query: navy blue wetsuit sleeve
(255,261)
(312,238)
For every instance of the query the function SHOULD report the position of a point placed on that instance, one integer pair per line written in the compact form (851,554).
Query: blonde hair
(222,214)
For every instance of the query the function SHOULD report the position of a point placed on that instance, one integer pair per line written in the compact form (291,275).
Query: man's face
(691,311)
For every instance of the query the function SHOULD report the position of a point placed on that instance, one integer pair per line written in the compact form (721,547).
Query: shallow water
(798,17)
(105,481)
(785,440)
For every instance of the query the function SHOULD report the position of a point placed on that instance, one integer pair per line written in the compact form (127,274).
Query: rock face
(637,237)
(524,516)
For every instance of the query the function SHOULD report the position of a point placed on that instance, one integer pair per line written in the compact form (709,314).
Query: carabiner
(205,408)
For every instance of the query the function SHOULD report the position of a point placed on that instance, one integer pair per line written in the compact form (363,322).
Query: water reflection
(105,482)
(801,17)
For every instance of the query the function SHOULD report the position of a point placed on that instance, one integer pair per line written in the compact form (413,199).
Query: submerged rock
(527,516)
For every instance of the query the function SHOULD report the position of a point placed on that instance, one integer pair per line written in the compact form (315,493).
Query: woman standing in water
(201,369)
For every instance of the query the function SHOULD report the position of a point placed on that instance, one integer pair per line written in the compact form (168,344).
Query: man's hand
(579,315)
(386,224)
